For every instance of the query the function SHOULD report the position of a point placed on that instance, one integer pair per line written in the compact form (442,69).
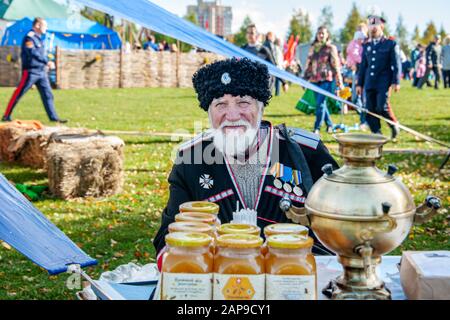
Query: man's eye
(245,103)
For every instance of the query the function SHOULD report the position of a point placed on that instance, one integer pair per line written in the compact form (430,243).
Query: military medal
(276,172)
(297,177)
(287,177)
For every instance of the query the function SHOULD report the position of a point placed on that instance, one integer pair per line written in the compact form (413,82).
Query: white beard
(235,143)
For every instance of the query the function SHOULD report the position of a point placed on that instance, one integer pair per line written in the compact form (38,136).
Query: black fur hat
(238,77)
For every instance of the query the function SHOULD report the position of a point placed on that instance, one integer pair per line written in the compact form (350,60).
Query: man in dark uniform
(34,71)
(379,74)
(242,161)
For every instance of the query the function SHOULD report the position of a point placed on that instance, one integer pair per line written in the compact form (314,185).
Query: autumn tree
(326,18)
(401,34)
(351,25)
(300,25)
(416,35)
(429,33)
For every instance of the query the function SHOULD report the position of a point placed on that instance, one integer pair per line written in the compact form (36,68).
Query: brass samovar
(360,213)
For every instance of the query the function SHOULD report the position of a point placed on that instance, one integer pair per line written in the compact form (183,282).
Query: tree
(429,33)
(416,35)
(240,38)
(300,25)
(442,32)
(326,18)
(351,25)
(401,34)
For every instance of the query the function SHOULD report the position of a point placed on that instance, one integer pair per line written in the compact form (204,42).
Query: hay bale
(85,166)
(11,131)
(30,148)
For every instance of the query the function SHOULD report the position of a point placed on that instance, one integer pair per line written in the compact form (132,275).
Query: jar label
(186,286)
(238,287)
(284,287)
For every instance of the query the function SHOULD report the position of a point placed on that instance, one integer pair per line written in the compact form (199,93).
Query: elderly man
(242,159)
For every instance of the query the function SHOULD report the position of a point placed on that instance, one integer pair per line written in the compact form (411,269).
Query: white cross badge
(206,181)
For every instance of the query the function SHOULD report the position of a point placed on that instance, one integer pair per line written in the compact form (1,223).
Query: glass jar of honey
(187,267)
(202,217)
(239,268)
(238,228)
(200,206)
(291,272)
(282,228)
(187,226)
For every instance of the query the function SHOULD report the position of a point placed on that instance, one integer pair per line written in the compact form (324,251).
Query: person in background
(414,57)
(278,53)
(446,62)
(35,65)
(254,46)
(433,55)
(379,74)
(421,65)
(322,67)
(151,44)
(354,57)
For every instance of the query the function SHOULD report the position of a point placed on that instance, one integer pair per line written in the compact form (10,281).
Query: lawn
(119,229)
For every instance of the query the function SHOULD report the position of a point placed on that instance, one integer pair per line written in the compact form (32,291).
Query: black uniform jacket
(294,148)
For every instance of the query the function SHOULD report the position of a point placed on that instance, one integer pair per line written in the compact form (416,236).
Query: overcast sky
(274,15)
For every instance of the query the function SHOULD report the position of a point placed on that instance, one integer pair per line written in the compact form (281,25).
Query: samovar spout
(365,251)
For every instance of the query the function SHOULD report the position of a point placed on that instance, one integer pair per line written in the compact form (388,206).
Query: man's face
(235,121)
(41,27)
(234,109)
(252,36)
(376,30)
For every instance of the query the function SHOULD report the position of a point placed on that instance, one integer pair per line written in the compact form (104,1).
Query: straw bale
(10,66)
(30,148)
(85,166)
(10,131)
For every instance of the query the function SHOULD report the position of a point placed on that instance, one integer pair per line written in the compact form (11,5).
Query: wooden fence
(78,69)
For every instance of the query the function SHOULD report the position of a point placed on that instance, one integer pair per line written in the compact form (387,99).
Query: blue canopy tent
(67,34)
(27,230)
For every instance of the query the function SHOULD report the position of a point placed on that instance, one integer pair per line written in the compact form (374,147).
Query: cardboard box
(425,275)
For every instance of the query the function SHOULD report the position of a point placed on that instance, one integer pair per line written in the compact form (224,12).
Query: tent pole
(57,66)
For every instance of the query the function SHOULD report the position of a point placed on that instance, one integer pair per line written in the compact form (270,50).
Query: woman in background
(322,68)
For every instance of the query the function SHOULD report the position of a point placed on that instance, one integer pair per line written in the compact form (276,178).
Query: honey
(238,228)
(186,226)
(291,272)
(187,267)
(201,217)
(282,228)
(239,268)
(285,228)
(200,206)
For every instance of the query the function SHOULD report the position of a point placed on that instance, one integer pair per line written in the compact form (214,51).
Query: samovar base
(357,282)
(335,291)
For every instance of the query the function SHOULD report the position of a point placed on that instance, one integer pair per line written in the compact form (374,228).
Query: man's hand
(396,87)
(286,87)
(51,65)
(358,90)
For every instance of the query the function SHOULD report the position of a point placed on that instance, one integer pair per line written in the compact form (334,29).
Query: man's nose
(233,113)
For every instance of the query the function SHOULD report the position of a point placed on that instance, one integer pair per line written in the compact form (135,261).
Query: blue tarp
(27,230)
(151,16)
(67,34)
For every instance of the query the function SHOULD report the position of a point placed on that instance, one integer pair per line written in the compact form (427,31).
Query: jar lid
(196,217)
(239,241)
(238,228)
(188,239)
(290,241)
(285,228)
(188,226)
(200,206)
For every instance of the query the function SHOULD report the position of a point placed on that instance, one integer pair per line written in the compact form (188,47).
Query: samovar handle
(427,210)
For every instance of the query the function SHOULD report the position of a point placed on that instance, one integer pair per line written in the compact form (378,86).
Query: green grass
(119,229)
